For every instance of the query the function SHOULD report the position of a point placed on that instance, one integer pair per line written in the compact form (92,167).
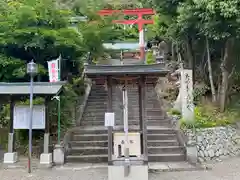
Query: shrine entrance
(127,143)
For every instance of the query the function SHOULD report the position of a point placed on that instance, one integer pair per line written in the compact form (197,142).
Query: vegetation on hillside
(206,35)
(204,32)
(42,30)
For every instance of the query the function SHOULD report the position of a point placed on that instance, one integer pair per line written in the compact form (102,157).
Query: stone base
(136,173)
(192,154)
(10,158)
(58,155)
(46,159)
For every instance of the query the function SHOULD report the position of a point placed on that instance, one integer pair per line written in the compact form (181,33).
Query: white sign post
(109,119)
(187,95)
(21,117)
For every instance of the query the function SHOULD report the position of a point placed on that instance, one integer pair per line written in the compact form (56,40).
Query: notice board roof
(23,88)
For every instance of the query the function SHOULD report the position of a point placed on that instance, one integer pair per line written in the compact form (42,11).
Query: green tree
(42,30)
(38,30)
(191,24)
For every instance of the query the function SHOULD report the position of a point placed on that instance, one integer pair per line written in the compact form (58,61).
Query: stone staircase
(89,143)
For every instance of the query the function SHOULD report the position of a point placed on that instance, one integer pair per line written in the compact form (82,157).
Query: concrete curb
(176,169)
(23,165)
(172,167)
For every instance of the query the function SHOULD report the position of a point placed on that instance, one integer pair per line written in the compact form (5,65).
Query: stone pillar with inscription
(188,109)
(187,95)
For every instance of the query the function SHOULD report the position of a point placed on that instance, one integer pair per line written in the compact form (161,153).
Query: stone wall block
(214,143)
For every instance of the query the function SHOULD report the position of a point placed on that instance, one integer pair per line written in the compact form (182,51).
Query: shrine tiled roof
(134,69)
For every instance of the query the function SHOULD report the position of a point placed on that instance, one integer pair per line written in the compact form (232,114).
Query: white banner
(53,70)
(22,116)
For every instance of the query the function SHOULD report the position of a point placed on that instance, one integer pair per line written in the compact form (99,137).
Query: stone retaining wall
(214,143)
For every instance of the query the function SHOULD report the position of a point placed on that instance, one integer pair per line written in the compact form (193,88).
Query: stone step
(131,110)
(119,98)
(161,137)
(161,130)
(103,158)
(91,150)
(90,137)
(162,143)
(119,94)
(119,107)
(131,114)
(104,137)
(118,121)
(97,115)
(88,122)
(166,150)
(87,158)
(158,122)
(118,102)
(116,90)
(151,143)
(89,143)
(88,150)
(97,122)
(134,98)
(91,130)
(166,157)
(102,130)
(103,106)
(153,111)
(157,112)
(118,117)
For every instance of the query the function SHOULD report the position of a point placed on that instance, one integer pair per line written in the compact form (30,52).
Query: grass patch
(208,116)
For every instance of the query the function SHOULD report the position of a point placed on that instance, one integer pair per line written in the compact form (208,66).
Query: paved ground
(227,170)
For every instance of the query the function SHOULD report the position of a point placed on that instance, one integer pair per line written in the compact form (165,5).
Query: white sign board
(22,116)
(134,144)
(109,119)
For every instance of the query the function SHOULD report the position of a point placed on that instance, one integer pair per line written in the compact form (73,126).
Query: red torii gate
(139,21)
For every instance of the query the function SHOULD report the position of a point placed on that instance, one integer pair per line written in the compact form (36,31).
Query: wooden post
(110,129)
(142,115)
(140,111)
(11,139)
(46,134)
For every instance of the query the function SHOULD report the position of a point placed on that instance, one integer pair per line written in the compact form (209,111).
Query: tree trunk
(190,57)
(219,89)
(214,97)
(174,58)
(225,74)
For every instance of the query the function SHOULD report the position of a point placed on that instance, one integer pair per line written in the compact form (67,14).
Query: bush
(174,112)
(150,58)
(208,116)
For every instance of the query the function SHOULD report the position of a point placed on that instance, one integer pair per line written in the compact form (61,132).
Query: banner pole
(59,101)
(59,120)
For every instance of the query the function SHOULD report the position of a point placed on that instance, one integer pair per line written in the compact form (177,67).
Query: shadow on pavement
(1,153)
